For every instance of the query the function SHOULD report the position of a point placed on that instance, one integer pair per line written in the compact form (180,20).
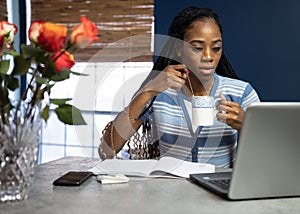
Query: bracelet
(112,139)
(129,115)
(107,131)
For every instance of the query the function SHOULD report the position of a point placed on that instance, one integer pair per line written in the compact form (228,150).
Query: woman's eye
(216,49)
(197,49)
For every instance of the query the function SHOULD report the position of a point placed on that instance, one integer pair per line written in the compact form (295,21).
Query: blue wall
(261,38)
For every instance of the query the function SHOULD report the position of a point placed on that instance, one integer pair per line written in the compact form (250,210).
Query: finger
(232,111)
(222,96)
(222,104)
(236,110)
(225,101)
(221,117)
(177,70)
(229,103)
(176,86)
(179,67)
(228,109)
(185,71)
(226,118)
(175,82)
(178,79)
(221,107)
(182,75)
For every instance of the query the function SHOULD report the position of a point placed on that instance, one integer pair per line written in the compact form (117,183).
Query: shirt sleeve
(250,96)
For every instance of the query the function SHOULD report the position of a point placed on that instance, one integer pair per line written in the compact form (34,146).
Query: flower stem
(3,118)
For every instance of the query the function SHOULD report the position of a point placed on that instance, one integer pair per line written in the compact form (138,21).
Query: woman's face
(202,48)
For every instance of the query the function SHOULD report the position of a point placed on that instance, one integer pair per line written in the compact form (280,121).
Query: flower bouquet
(46,61)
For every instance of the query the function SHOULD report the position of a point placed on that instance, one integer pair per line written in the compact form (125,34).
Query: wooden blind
(115,19)
(3,10)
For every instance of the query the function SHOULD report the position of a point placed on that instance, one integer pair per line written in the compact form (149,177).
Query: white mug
(203,110)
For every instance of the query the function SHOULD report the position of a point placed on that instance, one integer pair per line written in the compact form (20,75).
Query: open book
(164,167)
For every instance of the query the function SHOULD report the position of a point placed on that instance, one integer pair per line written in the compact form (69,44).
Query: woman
(192,64)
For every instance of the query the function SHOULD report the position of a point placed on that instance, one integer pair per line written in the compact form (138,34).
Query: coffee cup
(203,110)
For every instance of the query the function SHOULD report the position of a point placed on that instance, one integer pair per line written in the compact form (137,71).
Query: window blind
(115,19)
(3,10)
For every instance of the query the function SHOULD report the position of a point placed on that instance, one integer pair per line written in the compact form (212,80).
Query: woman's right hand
(170,77)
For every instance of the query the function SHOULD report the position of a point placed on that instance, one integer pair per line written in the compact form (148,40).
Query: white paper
(112,179)
(165,167)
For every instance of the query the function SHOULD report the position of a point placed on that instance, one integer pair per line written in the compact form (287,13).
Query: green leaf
(7,107)
(45,113)
(21,66)
(79,74)
(12,53)
(4,66)
(13,84)
(64,74)
(41,93)
(10,82)
(30,51)
(49,88)
(41,81)
(4,100)
(70,115)
(44,81)
(59,102)
(50,70)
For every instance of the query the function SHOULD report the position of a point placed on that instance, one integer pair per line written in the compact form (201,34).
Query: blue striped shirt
(214,144)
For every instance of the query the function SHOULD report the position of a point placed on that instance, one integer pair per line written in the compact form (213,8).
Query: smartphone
(72,178)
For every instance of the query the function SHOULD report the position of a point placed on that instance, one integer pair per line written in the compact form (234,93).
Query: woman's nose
(207,55)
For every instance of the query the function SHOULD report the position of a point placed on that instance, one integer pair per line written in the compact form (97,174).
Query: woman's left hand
(230,113)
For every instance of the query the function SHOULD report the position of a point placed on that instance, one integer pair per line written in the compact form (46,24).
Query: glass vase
(19,140)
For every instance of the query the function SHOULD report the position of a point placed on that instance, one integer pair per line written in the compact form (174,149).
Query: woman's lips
(207,70)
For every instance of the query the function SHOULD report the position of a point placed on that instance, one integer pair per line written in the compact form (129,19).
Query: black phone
(72,178)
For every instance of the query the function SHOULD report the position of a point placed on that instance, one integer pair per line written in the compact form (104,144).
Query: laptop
(268,156)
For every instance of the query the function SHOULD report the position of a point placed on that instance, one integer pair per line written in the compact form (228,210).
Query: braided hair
(177,29)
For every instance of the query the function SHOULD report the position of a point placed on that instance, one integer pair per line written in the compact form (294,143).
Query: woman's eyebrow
(218,40)
(201,42)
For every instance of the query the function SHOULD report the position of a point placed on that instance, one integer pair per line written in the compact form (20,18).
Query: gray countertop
(139,195)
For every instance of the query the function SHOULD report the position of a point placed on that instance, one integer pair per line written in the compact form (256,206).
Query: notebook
(268,156)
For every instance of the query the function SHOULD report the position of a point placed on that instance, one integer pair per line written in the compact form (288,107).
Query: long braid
(225,68)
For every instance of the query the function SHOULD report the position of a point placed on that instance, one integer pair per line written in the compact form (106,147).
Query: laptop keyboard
(224,184)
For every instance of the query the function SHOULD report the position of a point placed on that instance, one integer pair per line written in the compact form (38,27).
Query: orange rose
(7,32)
(63,59)
(34,30)
(84,34)
(52,36)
